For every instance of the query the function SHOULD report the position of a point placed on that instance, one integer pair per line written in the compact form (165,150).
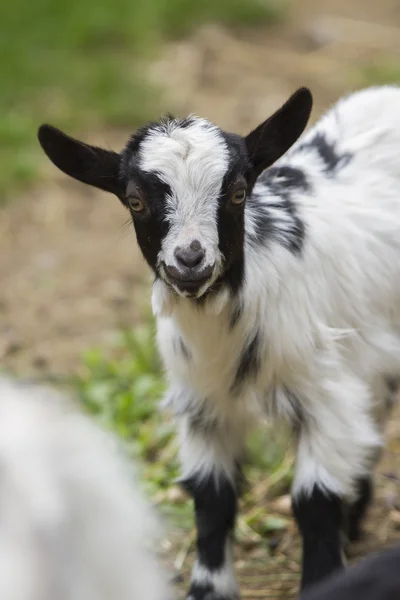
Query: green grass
(77,63)
(379,73)
(122,388)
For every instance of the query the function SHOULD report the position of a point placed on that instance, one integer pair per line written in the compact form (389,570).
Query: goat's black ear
(86,163)
(270,140)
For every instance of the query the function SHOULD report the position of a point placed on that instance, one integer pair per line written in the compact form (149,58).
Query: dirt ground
(70,268)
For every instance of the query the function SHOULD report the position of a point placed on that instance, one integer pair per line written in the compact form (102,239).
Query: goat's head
(185,182)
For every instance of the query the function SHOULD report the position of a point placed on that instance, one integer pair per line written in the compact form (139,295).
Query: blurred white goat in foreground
(73,524)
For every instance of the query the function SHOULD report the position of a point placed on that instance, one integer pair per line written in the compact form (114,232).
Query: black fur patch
(200,418)
(184,349)
(152,225)
(182,403)
(205,591)
(180,347)
(236,314)
(393,384)
(358,509)
(278,183)
(231,217)
(249,363)
(215,504)
(199,591)
(163,124)
(300,420)
(327,153)
(285,179)
(234,276)
(238,158)
(203,423)
(320,519)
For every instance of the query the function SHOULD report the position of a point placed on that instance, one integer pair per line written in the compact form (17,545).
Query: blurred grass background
(78,63)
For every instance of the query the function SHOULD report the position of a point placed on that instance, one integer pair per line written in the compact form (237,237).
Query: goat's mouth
(190,283)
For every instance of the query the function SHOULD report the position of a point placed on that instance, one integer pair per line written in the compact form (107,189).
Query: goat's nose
(191,256)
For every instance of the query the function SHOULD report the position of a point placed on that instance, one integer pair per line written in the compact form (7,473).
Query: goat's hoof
(199,592)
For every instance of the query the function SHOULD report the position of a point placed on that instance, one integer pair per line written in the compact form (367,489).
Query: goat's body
(277,291)
(314,333)
(73,523)
(327,322)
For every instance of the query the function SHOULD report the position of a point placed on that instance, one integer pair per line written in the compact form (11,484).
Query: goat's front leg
(210,473)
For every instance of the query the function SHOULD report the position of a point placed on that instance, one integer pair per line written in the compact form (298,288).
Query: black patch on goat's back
(286,178)
(249,363)
(273,199)
(331,158)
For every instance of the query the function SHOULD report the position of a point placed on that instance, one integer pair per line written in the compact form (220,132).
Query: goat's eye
(238,196)
(135,204)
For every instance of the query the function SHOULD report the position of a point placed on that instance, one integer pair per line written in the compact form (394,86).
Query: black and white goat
(277,289)
(74,525)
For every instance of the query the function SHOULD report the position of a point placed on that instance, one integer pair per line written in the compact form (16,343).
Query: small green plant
(123,391)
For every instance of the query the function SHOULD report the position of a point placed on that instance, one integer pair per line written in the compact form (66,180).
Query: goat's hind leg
(319,515)
(357,510)
(337,446)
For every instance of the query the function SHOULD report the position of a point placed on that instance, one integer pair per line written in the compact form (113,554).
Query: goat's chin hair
(163,299)
(215,303)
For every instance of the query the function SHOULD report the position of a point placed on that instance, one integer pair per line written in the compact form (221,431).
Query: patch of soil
(70,269)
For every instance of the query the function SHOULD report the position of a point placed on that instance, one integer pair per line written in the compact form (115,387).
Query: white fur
(223,580)
(329,320)
(73,524)
(192,161)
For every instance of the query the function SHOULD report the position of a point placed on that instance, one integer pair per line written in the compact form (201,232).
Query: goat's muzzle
(189,279)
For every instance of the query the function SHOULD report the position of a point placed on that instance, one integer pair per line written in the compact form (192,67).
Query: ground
(69,265)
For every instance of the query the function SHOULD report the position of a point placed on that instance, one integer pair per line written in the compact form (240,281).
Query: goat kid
(74,524)
(277,290)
